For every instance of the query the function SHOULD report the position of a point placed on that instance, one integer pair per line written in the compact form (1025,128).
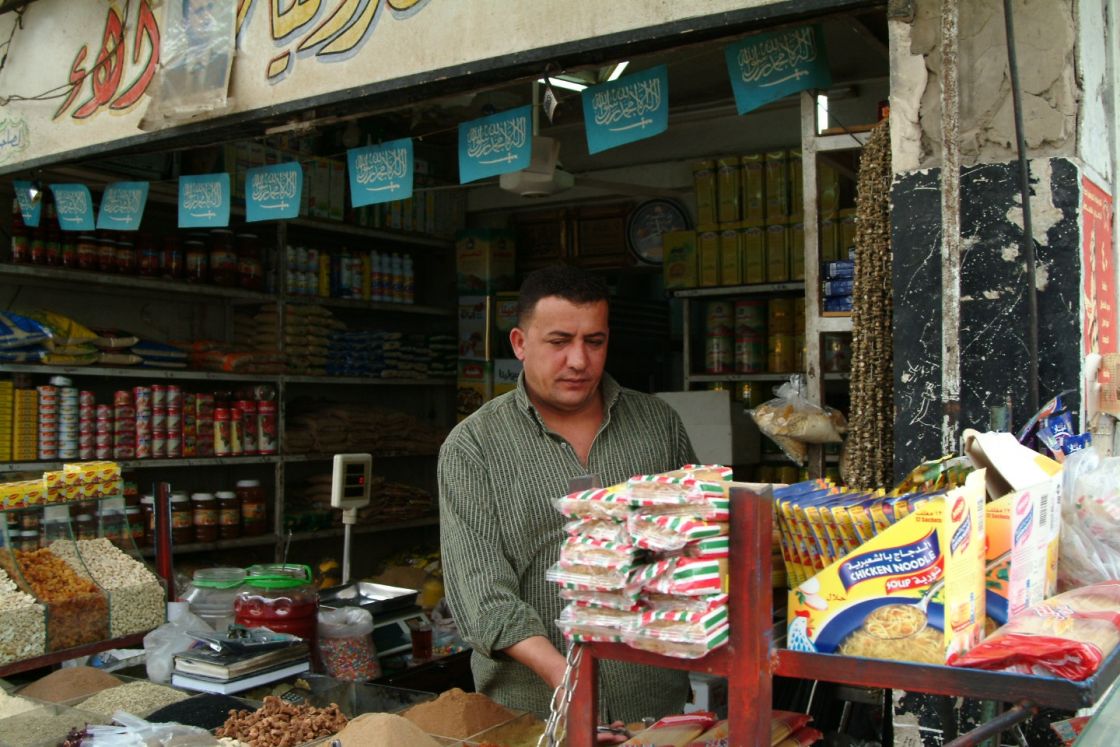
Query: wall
(1096,65)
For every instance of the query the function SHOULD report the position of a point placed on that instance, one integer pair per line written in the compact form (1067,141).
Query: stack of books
(233,670)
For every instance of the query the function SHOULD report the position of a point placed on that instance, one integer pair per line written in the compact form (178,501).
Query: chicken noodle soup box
(913,592)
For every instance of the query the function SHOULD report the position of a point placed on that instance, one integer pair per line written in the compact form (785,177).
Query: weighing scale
(392,607)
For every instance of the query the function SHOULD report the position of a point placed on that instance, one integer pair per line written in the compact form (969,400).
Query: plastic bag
(195,61)
(1090,536)
(18,331)
(171,638)
(136,732)
(1068,635)
(792,421)
(346,643)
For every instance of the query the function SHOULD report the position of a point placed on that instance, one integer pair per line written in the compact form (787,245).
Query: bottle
(409,295)
(344,280)
(250,268)
(396,293)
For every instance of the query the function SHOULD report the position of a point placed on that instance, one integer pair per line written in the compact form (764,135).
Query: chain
(561,699)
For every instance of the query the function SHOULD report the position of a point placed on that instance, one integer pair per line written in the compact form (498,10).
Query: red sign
(1098,314)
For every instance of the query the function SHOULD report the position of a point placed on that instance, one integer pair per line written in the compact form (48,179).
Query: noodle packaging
(914,591)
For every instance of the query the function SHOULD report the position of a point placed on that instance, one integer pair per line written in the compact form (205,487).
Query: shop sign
(380,173)
(122,206)
(74,207)
(204,201)
(629,109)
(273,192)
(1098,270)
(768,67)
(30,209)
(495,145)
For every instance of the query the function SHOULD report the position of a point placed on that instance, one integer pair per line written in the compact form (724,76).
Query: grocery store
(415,373)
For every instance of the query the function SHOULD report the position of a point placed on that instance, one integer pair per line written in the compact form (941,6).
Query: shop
(217,357)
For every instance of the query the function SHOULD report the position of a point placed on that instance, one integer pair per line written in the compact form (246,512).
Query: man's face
(563,347)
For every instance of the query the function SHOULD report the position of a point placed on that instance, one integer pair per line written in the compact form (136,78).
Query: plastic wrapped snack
(671,603)
(717,510)
(679,625)
(791,421)
(704,472)
(609,530)
(19,331)
(711,547)
(669,490)
(596,552)
(678,646)
(581,628)
(623,599)
(670,532)
(598,503)
(617,620)
(683,576)
(673,731)
(1068,635)
(590,577)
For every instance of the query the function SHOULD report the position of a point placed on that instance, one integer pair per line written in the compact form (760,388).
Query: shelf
(427,521)
(129,283)
(716,378)
(55,657)
(149,463)
(445,381)
(847,376)
(394,308)
(418,239)
(230,544)
(328,456)
(134,373)
(739,290)
(844,141)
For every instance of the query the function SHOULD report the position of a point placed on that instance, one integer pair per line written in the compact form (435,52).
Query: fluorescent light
(562,83)
(822,113)
(617,72)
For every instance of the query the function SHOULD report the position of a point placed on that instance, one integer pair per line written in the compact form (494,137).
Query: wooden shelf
(55,657)
(128,284)
(739,290)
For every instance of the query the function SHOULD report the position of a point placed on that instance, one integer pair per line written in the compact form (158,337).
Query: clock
(646,224)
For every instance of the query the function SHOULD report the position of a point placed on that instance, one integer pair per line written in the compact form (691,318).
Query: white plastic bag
(136,732)
(171,638)
(1090,537)
(792,421)
(346,644)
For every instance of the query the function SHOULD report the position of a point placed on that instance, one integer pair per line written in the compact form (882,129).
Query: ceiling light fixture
(618,69)
(565,83)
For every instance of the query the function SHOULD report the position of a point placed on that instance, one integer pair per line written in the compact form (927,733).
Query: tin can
(787,474)
(750,317)
(174,396)
(124,452)
(174,446)
(143,429)
(103,439)
(718,354)
(103,452)
(780,316)
(249,424)
(104,412)
(86,398)
(143,447)
(174,420)
(87,452)
(236,429)
(159,444)
(124,412)
(159,418)
(159,395)
(142,396)
(750,353)
(266,427)
(122,398)
(222,434)
(719,320)
(780,356)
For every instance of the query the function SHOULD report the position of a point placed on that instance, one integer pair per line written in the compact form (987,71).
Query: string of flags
(762,68)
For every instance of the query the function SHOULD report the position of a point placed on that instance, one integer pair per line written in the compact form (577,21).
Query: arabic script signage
(74,206)
(380,173)
(122,206)
(768,67)
(204,201)
(495,145)
(626,110)
(273,192)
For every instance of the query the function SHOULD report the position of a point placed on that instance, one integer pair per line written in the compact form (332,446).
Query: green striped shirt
(499,472)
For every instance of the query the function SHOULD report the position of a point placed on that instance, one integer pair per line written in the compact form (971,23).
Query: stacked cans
(87,418)
(204,424)
(249,425)
(124,425)
(190,425)
(48,421)
(103,432)
(142,396)
(68,423)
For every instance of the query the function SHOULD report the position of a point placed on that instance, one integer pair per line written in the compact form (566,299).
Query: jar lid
(148,500)
(132,510)
(202,497)
(278,576)
(180,498)
(218,578)
(83,517)
(225,495)
(248,483)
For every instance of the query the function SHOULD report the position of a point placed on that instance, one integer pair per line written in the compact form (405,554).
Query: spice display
(44,725)
(205,711)
(383,730)
(280,724)
(69,683)
(870,445)
(77,609)
(136,598)
(10,705)
(23,628)
(138,698)
(457,714)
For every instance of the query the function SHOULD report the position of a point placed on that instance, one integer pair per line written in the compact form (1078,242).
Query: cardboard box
(707,249)
(828,187)
(704,185)
(754,189)
(730,259)
(1022,557)
(777,254)
(475,327)
(728,187)
(914,591)
(506,373)
(752,243)
(485,260)
(680,261)
(1010,465)
(474,387)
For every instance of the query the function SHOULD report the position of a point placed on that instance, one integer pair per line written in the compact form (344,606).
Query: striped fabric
(499,472)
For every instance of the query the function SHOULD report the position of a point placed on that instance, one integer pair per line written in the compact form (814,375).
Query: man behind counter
(500,470)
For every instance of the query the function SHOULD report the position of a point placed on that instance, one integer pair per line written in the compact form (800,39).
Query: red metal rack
(750,659)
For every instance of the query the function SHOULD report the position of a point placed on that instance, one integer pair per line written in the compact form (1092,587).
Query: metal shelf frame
(191,375)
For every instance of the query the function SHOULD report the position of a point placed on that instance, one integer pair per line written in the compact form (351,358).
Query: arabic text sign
(495,145)
(74,207)
(768,67)
(122,206)
(626,110)
(29,209)
(273,192)
(204,201)
(380,173)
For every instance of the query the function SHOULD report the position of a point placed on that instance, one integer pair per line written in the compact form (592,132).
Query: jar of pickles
(229,514)
(126,259)
(280,597)
(87,252)
(21,246)
(172,263)
(205,517)
(149,256)
(254,512)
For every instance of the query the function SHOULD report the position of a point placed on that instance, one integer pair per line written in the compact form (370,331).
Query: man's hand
(541,656)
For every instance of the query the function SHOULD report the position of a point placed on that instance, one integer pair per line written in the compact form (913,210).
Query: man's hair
(564,281)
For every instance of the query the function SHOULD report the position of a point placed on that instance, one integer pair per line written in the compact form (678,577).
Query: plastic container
(229,515)
(346,644)
(204,510)
(254,512)
(211,595)
(182,518)
(282,598)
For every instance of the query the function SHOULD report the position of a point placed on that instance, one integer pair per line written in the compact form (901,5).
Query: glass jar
(28,540)
(250,269)
(280,597)
(54,247)
(197,261)
(30,519)
(21,246)
(222,445)
(229,515)
(248,426)
(205,517)
(38,247)
(223,258)
(106,255)
(172,263)
(135,519)
(211,595)
(236,431)
(182,519)
(69,250)
(126,257)
(149,256)
(87,252)
(254,512)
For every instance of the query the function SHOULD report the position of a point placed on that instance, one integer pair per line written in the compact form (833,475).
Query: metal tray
(377,598)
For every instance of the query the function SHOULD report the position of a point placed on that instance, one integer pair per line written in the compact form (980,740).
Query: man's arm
(538,653)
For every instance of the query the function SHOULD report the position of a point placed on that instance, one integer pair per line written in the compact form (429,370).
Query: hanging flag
(204,201)
(30,208)
(122,206)
(495,145)
(380,173)
(768,67)
(626,110)
(273,192)
(74,206)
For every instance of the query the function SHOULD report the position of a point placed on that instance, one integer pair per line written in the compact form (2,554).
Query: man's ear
(517,340)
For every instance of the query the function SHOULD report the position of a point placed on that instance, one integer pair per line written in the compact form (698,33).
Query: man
(501,469)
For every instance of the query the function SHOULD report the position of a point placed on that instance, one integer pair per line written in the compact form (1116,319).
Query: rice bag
(673,731)
(70,359)
(622,599)
(683,576)
(23,355)
(669,532)
(1067,635)
(610,530)
(64,330)
(599,503)
(18,331)
(113,339)
(680,647)
(596,552)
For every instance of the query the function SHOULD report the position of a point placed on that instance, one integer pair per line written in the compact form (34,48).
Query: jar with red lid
(280,597)
(250,268)
(254,512)
(149,256)
(198,261)
(106,255)
(172,264)
(87,252)
(21,246)
(126,257)
(223,258)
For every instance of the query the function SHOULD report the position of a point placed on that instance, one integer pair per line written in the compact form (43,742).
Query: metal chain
(561,699)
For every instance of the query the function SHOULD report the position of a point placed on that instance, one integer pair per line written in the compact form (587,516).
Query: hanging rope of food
(869,453)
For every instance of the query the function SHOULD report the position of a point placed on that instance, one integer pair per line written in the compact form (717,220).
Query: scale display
(350,480)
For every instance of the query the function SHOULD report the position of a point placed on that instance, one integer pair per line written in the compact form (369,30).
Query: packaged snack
(667,533)
(670,490)
(603,617)
(790,417)
(683,576)
(680,647)
(590,577)
(18,331)
(609,530)
(622,599)
(670,603)
(785,723)
(595,552)
(598,503)
(673,731)
(678,625)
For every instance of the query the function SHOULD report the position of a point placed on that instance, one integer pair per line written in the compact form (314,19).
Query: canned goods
(174,420)
(159,395)
(718,354)
(124,425)
(124,439)
(174,446)
(780,316)
(266,428)
(836,353)
(143,396)
(750,353)
(85,439)
(720,319)
(48,452)
(159,445)
(105,412)
(159,418)
(103,452)
(174,396)
(86,398)
(124,452)
(143,447)
(47,393)
(780,355)
(103,440)
(750,317)
(143,428)
(86,452)
(48,418)
(787,474)
(122,398)
(68,453)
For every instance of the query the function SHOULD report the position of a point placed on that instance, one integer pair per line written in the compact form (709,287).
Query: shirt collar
(610,388)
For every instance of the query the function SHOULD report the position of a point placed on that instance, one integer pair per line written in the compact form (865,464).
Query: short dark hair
(564,281)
